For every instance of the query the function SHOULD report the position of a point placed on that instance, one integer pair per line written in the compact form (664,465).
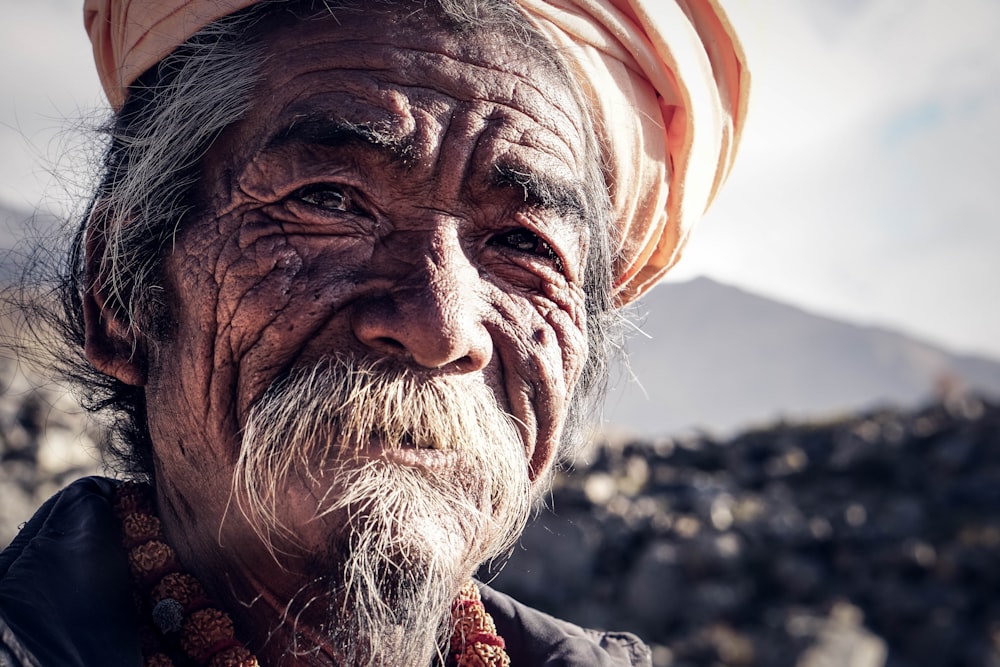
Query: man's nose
(432,316)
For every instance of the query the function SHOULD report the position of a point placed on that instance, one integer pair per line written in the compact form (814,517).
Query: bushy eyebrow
(553,194)
(338,133)
(563,197)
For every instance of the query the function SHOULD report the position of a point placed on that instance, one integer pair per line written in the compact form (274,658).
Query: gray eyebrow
(560,196)
(338,133)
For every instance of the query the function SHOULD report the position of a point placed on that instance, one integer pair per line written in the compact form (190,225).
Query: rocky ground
(869,541)
(46,441)
(872,541)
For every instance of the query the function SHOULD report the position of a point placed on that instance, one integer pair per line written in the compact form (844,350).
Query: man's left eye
(325,196)
(529,242)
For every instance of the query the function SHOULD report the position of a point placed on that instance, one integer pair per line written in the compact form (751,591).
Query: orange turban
(666,79)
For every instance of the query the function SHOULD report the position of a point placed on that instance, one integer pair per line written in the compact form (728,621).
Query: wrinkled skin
(410,238)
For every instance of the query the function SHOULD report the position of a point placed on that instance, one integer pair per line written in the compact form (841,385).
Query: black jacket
(66,599)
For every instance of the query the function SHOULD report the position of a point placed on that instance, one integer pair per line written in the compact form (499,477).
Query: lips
(407,451)
(426,458)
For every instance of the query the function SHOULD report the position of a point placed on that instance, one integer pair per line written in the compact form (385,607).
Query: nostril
(466,363)
(390,343)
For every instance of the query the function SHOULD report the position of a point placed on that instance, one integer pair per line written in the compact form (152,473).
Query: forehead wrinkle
(396,65)
(450,84)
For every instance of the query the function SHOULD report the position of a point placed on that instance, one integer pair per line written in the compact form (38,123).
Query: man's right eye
(325,196)
(527,241)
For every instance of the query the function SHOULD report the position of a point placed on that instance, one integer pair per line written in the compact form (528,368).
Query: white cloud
(49,83)
(866,183)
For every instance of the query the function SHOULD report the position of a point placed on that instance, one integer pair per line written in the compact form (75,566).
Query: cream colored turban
(667,80)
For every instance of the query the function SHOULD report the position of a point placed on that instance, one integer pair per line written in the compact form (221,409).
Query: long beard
(402,538)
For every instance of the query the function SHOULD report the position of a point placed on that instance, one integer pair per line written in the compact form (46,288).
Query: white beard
(403,539)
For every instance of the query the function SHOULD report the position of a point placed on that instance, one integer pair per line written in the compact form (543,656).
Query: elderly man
(347,286)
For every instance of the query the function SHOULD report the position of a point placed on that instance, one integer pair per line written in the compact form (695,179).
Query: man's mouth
(407,450)
(405,440)
(408,441)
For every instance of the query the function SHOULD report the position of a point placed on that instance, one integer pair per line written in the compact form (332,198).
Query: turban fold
(666,81)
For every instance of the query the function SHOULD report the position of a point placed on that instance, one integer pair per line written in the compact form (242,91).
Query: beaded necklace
(182,626)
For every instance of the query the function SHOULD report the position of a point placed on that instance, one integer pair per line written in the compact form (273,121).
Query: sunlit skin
(373,202)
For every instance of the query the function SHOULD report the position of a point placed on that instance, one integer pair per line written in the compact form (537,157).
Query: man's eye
(529,242)
(325,196)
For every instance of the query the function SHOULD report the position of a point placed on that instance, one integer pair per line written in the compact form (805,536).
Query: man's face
(394,192)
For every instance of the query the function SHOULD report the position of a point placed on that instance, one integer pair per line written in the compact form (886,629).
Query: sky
(866,187)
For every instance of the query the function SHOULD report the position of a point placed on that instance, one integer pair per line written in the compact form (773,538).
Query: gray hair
(171,117)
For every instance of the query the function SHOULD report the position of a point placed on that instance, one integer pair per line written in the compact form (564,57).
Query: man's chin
(390,588)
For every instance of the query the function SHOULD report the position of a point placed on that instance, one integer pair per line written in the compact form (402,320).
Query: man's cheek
(535,366)
(564,333)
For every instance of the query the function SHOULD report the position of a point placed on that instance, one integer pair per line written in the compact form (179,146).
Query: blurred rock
(843,642)
(46,441)
(872,541)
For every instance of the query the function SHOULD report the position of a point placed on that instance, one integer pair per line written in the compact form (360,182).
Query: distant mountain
(719,358)
(13,222)
(15,225)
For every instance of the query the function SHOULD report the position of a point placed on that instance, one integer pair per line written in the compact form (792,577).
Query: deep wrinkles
(227,311)
(518,361)
(441,83)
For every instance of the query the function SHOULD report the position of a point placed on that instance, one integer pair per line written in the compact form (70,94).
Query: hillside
(15,224)
(716,357)
(868,542)
(12,222)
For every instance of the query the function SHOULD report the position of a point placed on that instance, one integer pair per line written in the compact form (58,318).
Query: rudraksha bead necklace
(179,619)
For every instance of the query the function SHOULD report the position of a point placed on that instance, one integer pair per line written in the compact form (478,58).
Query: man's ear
(113,346)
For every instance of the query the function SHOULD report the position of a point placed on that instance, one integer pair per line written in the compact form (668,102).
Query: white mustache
(344,402)
(318,419)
